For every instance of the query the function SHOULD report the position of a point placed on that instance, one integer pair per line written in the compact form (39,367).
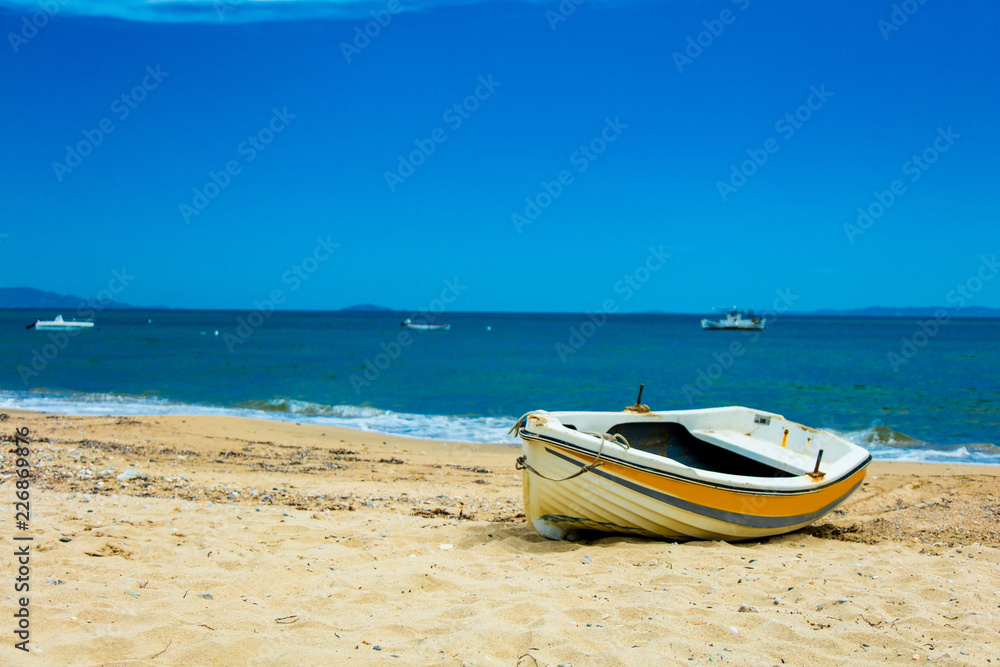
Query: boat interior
(674,441)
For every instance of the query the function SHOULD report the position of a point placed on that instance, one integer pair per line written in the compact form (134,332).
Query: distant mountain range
(29,297)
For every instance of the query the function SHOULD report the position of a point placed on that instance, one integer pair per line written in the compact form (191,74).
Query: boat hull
(63,326)
(429,327)
(620,497)
(741,326)
(425,326)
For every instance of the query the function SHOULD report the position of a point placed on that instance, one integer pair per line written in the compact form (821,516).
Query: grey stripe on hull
(735,518)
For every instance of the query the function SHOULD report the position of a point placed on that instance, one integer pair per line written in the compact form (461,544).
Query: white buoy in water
(216,332)
(489,328)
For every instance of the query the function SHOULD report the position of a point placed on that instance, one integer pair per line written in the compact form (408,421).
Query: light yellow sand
(413,552)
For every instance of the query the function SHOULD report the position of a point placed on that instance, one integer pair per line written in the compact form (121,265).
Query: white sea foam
(362,418)
(884,443)
(888,445)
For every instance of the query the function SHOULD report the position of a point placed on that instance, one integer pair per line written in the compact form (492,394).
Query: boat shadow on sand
(520,539)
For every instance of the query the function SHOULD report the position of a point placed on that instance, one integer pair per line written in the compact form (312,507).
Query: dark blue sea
(903,388)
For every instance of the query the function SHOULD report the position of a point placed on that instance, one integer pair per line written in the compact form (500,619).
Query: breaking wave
(487,430)
(296,407)
(884,443)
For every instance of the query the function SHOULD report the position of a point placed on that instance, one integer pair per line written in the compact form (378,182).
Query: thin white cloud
(231,11)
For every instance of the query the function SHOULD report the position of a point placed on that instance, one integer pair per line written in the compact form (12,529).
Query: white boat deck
(778,457)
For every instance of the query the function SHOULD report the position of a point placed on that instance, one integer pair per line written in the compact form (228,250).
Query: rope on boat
(522,461)
(516,428)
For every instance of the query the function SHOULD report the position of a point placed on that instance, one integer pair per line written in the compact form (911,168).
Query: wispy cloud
(235,11)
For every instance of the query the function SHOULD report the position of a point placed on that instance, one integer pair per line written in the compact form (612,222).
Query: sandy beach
(183,540)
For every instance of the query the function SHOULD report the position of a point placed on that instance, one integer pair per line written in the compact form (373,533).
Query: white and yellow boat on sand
(715,474)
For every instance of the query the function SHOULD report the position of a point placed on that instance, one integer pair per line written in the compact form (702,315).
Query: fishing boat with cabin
(59,324)
(737,319)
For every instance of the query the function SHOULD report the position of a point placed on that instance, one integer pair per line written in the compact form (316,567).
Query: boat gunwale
(805,484)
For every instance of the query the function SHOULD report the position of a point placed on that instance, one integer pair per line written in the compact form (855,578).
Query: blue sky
(618,101)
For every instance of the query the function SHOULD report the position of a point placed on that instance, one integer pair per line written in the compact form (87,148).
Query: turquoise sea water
(362,370)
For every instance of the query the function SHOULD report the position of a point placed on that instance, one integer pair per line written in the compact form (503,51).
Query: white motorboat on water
(409,324)
(59,324)
(716,474)
(736,318)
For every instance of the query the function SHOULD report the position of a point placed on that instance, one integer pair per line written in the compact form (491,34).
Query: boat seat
(778,457)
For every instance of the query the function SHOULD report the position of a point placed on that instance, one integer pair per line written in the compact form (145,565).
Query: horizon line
(820,312)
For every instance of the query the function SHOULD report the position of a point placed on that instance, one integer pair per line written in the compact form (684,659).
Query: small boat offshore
(736,319)
(420,326)
(59,324)
(715,474)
